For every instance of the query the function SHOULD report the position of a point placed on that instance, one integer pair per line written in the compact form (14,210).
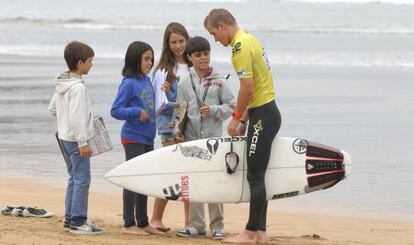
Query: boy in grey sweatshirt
(210,102)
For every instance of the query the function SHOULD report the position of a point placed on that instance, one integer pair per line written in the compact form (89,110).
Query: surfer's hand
(85,151)
(179,137)
(241,129)
(232,127)
(144,116)
(205,110)
(166,87)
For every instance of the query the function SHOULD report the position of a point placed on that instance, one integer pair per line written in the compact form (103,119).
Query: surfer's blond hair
(217,15)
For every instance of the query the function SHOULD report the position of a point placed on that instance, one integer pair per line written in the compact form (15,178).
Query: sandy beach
(106,211)
(342,74)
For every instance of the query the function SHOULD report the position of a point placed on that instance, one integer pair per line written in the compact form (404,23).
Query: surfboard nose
(347,163)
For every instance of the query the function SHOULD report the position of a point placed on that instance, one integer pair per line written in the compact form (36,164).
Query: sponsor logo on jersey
(266,59)
(241,73)
(236,49)
(257,128)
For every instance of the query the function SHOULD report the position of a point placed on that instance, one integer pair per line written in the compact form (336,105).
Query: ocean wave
(25,20)
(394,2)
(333,30)
(331,60)
(91,24)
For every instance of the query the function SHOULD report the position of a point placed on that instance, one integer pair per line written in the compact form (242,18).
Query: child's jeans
(77,190)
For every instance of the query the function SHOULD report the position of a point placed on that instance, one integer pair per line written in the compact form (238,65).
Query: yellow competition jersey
(250,61)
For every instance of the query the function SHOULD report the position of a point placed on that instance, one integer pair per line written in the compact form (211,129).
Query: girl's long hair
(167,59)
(133,56)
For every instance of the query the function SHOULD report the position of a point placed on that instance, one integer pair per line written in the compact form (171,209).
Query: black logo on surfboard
(300,146)
(172,193)
(212,145)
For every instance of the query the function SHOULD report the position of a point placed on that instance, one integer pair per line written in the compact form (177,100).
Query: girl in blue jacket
(135,104)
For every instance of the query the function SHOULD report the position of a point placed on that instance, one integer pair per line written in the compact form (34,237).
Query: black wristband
(243,122)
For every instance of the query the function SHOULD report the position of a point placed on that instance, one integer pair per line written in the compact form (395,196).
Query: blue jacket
(134,95)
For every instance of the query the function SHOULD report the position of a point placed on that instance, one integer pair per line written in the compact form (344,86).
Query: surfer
(256,103)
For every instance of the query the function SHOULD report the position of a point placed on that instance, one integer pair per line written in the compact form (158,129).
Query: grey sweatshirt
(219,98)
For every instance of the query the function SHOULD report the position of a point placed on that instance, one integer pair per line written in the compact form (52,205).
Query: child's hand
(85,151)
(166,87)
(205,110)
(144,116)
(179,137)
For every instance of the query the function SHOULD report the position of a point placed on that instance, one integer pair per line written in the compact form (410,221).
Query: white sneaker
(190,232)
(17,211)
(218,235)
(86,229)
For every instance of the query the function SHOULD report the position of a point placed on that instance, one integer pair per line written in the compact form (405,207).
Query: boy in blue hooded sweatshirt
(135,105)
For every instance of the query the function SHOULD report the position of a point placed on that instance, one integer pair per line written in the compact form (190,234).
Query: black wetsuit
(264,124)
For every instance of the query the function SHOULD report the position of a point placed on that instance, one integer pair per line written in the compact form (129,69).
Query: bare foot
(157,224)
(151,230)
(133,230)
(262,237)
(244,237)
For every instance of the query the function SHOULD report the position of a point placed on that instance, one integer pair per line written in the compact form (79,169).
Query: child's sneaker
(86,229)
(66,225)
(190,232)
(18,211)
(218,235)
(36,212)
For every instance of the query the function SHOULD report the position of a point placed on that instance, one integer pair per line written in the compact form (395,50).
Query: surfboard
(215,170)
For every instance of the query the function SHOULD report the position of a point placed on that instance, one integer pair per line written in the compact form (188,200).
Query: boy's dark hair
(75,51)
(197,44)
(133,56)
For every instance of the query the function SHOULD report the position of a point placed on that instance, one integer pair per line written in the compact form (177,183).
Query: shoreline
(105,209)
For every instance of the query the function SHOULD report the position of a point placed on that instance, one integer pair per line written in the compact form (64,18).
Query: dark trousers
(264,124)
(135,204)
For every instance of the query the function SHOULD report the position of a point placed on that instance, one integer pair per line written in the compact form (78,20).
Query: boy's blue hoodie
(134,95)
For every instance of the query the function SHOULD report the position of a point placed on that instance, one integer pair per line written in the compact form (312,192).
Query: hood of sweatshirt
(214,74)
(66,80)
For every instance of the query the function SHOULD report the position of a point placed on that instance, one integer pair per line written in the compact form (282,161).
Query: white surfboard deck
(195,171)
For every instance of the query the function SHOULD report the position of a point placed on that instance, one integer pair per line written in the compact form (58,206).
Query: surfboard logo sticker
(300,146)
(185,190)
(172,192)
(193,151)
(285,195)
(212,145)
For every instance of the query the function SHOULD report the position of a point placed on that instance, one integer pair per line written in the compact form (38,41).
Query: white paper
(160,97)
